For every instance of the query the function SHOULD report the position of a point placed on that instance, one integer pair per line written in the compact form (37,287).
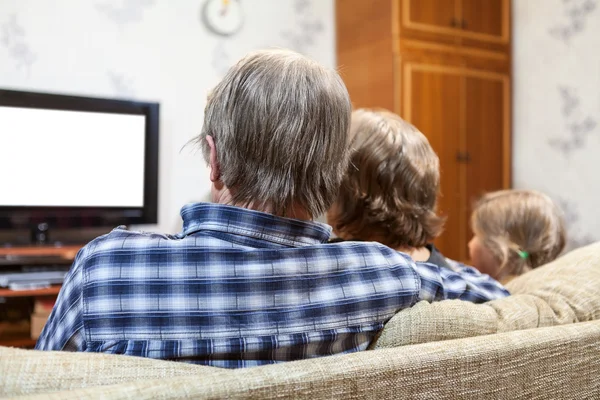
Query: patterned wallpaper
(576,13)
(125,12)
(14,40)
(155,50)
(556,135)
(301,34)
(159,50)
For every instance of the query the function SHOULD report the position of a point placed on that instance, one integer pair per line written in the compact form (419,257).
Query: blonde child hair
(518,229)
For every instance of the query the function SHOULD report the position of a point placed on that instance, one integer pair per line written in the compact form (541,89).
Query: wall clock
(222,17)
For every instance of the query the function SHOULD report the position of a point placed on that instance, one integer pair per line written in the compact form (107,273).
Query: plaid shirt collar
(253,224)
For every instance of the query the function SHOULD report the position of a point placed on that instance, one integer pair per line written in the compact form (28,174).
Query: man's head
(275,133)
(391,187)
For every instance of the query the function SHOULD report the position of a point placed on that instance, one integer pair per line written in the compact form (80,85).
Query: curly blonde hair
(523,229)
(390,190)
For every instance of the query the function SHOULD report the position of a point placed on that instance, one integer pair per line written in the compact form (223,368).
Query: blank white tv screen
(56,158)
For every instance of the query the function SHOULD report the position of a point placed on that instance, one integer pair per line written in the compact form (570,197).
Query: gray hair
(280,124)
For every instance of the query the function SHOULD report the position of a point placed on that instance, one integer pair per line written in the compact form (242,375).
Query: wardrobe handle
(463,157)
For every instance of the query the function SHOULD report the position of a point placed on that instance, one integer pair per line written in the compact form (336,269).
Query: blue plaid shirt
(240,288)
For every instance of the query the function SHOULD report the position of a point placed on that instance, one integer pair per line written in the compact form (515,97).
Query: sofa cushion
(562,292)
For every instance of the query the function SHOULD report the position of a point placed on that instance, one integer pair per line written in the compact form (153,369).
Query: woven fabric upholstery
(562,292)
(29,371)
(558,362)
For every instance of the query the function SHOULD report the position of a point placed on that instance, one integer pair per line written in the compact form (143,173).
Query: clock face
(223,17)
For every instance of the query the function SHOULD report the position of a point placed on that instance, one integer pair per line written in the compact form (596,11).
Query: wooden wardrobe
(443,65)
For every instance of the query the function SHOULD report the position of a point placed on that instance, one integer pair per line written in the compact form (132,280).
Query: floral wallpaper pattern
(577,127)
(306,29)
(122,85)
(13,37)
(301,35)
(556,108)
(124,12)
(576,14)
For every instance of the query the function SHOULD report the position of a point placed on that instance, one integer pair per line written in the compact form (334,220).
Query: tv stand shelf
(64,252)
(51,291)
(31,256)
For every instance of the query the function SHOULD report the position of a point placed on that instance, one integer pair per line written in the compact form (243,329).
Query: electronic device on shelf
(76,162)
(20,280)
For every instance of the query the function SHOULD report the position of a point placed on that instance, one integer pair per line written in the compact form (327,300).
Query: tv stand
(30,256)
(36,255)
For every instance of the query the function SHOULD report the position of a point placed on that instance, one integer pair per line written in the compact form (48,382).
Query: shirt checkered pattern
(240,288)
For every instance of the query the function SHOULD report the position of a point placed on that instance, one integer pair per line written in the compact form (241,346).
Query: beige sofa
(543,342)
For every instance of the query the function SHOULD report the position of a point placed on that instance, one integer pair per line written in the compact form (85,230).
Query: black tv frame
(26,217)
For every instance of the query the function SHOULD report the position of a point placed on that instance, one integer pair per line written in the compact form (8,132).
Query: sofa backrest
(562,292)
(557,362)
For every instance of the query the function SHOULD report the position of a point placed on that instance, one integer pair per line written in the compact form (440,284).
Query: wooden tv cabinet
(32,256)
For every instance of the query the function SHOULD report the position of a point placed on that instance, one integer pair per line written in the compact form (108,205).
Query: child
(390,190)
(515,231)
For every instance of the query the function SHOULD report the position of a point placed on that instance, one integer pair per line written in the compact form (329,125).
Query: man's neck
(224,196)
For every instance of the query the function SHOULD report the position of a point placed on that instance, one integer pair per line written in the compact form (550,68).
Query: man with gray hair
(251,280)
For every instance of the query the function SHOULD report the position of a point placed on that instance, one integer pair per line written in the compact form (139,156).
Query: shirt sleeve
(64,328)
(464,283)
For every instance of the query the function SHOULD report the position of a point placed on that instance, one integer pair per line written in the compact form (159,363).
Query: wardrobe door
(430,102)
(487,18)
(473,23)
(431,15)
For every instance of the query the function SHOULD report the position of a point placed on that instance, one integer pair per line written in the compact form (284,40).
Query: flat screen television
(72,162)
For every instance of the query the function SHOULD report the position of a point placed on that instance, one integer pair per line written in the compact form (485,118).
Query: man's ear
(215,171)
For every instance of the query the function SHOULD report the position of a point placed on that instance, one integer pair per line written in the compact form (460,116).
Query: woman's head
(515,231)
(390,190)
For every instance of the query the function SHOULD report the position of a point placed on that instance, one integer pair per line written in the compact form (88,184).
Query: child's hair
(523,229)
(391,187)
